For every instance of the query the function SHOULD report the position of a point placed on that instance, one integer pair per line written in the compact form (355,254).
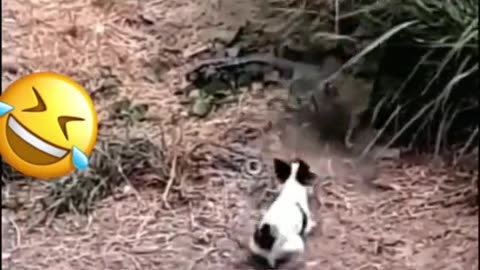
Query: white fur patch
(285,215)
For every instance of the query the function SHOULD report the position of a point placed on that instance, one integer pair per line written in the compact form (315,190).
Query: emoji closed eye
(40,107)
(63,120)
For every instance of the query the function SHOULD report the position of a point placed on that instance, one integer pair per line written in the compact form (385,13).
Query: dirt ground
(419,219)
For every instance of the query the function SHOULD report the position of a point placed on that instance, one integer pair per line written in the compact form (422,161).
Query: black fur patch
(282,169)
(304,220)
(263,237)
(304,175)
(330,90)
(261,263)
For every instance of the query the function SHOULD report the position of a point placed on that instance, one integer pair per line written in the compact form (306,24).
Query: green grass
(427,51)
(124,152)
(442,81)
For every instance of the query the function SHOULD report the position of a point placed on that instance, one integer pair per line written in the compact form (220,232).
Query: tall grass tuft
(439,53)
(427,52)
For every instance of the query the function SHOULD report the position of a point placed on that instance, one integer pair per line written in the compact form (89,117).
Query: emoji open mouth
(29,147)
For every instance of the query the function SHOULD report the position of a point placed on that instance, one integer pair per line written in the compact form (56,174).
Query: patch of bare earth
(421,219)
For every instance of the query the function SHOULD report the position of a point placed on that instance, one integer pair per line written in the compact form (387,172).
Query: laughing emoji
(48,126)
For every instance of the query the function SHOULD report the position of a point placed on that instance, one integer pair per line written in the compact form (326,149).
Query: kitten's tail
(304,219)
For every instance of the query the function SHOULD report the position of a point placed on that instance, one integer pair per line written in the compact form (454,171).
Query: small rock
(201,107)
(257,86)
(312,263)
(194,94)
(127,189)
(6,256)
(233,52)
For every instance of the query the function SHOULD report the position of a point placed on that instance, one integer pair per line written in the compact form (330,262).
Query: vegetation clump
(425,56)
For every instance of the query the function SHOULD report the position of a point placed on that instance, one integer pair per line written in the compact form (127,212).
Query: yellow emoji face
(48,125)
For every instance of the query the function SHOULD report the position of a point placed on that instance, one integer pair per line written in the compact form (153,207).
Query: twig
(374,265)
(173,175)
(240,105)
(338,195)
(173,169)
(17,230)
(39,219)
(201,258)
(134,260)
(124,176)
(331,172)
(192,222)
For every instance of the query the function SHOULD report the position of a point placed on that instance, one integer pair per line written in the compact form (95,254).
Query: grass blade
(373,45)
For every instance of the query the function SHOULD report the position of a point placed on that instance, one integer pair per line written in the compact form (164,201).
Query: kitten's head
(296,168)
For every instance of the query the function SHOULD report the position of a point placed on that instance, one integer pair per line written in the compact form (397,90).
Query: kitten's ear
(304,175)
(282,169)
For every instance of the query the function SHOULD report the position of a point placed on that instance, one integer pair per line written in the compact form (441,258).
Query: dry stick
(17,230)
(181,186)
(374,265)
(49,220)
(240,105)
(338,196)
(173,175)
(173,169)
(202,257)
(135,191)
(122,173)
(163,142)
(331,172)
(38,219)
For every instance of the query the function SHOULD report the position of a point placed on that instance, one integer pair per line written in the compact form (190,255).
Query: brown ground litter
(419,217)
